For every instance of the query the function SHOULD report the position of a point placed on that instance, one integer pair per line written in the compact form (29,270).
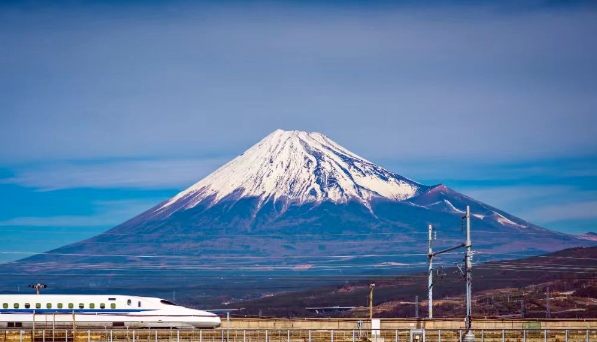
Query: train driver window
(59,305)
(129,302)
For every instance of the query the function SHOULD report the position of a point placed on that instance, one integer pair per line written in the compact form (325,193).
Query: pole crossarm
(449,249)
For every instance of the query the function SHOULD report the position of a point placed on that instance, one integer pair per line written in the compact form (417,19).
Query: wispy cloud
(59,221)
(27,235)
(570,211)
(518,196)
(106,213)
(542,205)
(146,174)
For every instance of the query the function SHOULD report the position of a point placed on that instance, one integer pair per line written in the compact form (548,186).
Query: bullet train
(106,311)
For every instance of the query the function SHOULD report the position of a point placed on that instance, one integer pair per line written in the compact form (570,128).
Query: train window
(111,298)
(38,305)
(49,305)
(71,305)
(27,305)
(102,306)
(92,306)
(128,302)
(139,304)
(16,305)
(59,305)
(81,305)
(5,306)
(113,306)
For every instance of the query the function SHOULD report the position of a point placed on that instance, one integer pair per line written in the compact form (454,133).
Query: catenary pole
(430,275)
(416,306)
(371,286)
(469,336)
(547,311)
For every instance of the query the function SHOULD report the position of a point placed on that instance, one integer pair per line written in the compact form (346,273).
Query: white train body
(59,311)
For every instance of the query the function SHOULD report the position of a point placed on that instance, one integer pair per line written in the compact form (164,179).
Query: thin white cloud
(570,211)
(469,169)
(154,174)
(58,221)
(529,175)
(541,205)
(106,213)
(509,196)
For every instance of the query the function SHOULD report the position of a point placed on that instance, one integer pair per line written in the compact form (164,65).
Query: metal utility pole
(430,256)
(417,306)
(547,311)
(430,280)
(227,325)
(38,286)
(469,336)
(371,286)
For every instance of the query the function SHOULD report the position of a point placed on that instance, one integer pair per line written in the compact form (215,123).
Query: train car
(47,310)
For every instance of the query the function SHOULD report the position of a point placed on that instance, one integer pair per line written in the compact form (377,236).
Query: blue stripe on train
(46,311)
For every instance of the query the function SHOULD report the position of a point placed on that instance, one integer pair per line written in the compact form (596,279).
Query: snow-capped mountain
(297,201)
(296,167)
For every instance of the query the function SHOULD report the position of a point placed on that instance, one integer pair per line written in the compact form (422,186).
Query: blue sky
(108,108)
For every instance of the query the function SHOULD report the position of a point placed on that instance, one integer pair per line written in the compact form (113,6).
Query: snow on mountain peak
(297,166)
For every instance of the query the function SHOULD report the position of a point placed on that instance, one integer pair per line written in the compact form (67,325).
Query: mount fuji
(297,202)
(295,168)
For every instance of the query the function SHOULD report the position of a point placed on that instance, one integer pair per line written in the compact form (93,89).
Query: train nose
(218,321)
(207,322)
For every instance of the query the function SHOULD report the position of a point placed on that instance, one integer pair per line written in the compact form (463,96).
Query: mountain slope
(294,202)
(498,288)
(589,236)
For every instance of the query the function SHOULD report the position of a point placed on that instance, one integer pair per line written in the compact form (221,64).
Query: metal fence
(294,335)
